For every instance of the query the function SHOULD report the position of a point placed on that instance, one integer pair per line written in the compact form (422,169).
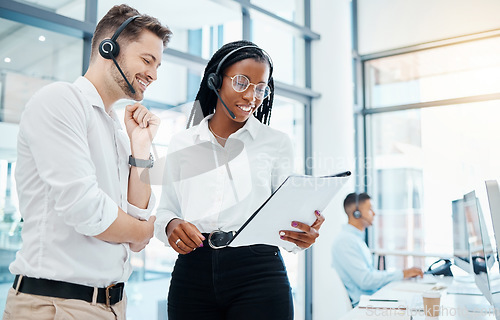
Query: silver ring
(177,242)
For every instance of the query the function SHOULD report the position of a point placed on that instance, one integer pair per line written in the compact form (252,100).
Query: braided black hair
(206,100)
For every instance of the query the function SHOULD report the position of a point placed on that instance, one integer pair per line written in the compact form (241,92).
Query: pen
(384,300)
(342,174)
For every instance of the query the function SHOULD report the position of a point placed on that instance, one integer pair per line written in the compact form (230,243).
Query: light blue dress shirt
(354,264)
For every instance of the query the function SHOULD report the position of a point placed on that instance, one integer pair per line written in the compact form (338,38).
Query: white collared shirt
(217,187)
(72,174)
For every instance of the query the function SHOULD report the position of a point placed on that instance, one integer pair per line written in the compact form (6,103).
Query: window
(199,27)
(421,159)
(456,71)
(291,10)
(31,58)
(70,8)
(288,54)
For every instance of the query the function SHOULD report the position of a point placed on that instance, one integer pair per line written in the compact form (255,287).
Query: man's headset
(357,214)
(214,79)
(109,48)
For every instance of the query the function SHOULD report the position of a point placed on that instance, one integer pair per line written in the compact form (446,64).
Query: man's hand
(142,126)
(412,272)
(147,232)
(306,238)
(183,236)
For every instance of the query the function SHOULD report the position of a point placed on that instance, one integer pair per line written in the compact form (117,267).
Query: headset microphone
(123,75)
(210,83)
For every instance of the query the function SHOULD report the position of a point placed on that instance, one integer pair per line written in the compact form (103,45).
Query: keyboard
(466,289)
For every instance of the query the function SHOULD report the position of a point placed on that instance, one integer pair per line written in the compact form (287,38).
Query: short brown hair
(116,16)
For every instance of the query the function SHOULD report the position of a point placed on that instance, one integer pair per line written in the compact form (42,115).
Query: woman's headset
(357,214)
(214,80)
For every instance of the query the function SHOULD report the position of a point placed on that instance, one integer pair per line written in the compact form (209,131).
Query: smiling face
(242,104)
(139,61)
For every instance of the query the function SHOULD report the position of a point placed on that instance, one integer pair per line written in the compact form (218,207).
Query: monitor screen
(476,251)
(483,243)
(460,236)
(492,224)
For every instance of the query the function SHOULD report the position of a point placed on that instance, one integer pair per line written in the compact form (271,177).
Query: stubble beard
(117,77)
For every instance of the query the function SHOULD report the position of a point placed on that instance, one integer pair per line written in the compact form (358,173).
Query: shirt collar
(252,126)
(89,91)
(352,229)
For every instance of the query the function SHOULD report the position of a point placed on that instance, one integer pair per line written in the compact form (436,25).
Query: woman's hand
(308,234)
(183,236)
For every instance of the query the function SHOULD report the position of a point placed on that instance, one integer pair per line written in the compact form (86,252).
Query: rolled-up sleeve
(54,127)
(142,214)
(169,207)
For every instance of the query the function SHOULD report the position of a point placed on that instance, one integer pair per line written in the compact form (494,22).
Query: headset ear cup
(357,214)
(109,49)
(214,81)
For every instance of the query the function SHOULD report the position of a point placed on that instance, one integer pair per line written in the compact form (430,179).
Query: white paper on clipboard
(295,200)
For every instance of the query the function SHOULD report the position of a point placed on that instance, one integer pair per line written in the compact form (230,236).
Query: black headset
(357,214)
(214,80)
(109,48)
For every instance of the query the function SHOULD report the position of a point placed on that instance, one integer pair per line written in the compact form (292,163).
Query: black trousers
(230,284)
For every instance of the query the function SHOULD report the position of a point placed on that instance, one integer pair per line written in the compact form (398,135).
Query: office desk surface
(408,293)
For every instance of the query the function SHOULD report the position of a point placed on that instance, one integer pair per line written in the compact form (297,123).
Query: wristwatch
(141,163)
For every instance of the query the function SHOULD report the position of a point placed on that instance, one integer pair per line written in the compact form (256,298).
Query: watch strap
(141,163)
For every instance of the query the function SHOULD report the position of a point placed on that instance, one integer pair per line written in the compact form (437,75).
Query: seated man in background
(352,258)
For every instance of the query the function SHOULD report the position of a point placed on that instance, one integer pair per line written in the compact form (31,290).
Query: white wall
(389,24)
(333,138)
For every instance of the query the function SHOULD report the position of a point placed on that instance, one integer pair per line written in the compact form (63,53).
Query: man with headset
(351,256)
(82,180)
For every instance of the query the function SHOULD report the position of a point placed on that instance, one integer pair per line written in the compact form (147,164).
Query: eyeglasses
(241,83)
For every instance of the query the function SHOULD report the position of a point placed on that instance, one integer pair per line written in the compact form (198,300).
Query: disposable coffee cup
(432,303)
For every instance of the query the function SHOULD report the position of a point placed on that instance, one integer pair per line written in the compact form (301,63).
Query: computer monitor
(486,267)
(460,236)
(492,223)
(476,251)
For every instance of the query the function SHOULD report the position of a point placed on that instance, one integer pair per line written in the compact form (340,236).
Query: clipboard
(294,200)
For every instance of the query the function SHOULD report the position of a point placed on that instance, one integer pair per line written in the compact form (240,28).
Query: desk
(453,306)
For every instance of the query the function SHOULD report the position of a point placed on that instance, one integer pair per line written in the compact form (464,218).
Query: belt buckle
(108,296)
(215,233)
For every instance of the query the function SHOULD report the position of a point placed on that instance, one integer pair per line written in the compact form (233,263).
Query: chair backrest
(340,302)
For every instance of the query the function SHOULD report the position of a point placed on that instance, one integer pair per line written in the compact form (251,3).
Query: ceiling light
(7,60)
(41,38)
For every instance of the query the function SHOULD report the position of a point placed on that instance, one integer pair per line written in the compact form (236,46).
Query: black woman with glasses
(218,172)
